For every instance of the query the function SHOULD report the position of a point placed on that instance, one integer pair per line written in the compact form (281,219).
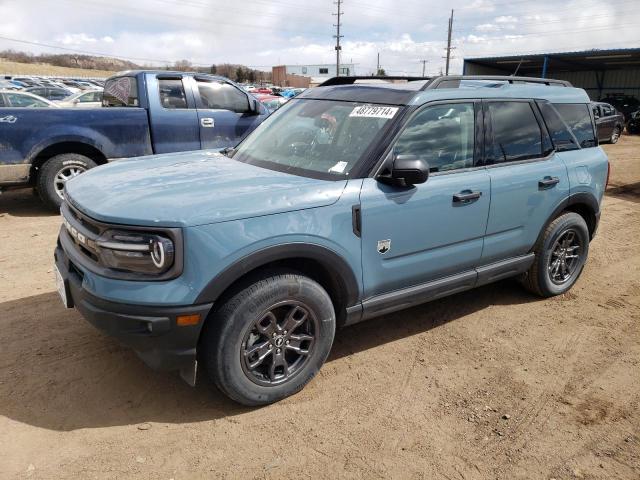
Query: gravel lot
(491,383)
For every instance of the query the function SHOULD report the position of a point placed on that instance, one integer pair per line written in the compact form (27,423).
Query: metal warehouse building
(602,73)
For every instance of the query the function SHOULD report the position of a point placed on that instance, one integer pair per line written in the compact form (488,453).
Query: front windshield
(317,138)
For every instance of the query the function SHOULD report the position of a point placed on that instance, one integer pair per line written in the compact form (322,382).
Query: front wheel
(269,339)
(55,173)
(560,255)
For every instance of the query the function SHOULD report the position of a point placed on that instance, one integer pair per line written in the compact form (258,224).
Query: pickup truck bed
(144,112)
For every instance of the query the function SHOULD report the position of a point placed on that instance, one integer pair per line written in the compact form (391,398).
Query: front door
(428,231)
(224,115)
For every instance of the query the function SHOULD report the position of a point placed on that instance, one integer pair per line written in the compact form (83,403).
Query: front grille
(82,230)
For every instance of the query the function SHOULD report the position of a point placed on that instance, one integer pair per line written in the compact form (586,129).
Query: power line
(86,52)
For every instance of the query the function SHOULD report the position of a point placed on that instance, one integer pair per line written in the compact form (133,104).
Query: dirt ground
(491,383)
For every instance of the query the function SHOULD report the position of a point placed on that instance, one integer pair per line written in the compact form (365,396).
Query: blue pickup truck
(147,112)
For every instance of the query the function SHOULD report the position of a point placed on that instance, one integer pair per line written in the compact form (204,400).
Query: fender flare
(49,142)
(334,263)
(580,198)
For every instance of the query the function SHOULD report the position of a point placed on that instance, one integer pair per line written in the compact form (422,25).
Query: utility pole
(424,64)
(378,65)
(337,36)
(449,47)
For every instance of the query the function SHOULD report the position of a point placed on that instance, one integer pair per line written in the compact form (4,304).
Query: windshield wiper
(228,152)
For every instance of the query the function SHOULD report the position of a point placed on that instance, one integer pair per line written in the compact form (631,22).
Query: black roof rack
(350,80)
(451,81)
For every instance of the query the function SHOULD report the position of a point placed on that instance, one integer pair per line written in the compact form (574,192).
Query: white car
(13,99)
(84,99)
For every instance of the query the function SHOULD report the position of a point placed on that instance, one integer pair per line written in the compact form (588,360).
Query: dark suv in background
(633,123)
(609,122)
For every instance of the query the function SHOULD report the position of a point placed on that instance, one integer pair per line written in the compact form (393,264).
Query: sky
(263,33)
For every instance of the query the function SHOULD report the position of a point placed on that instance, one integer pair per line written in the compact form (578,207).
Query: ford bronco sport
(351,201)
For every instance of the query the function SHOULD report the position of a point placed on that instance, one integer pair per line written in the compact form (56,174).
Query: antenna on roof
(517,68)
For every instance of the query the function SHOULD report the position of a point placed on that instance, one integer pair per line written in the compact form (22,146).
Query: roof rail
(453,81)
(350,80)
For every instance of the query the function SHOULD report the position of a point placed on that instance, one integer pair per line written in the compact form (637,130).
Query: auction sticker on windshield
(373,111)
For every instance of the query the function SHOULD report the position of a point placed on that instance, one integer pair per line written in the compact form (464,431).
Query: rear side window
(17,100)
(516,132)
(563,139)
(222,96)
(577,117)
(120,92)
(172,93)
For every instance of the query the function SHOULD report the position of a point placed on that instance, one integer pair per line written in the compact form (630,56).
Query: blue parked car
(349,202)
(146,112)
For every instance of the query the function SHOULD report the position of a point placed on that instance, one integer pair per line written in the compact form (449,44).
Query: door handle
(548,182)
(466,196)
(207,122)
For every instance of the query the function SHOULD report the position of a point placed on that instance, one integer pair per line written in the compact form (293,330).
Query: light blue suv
(352,201)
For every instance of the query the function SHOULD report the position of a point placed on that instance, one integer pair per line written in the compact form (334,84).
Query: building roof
(563,61)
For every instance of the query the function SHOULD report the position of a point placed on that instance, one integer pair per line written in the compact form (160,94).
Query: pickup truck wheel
(268,340)
(560,255)
(56,172)
(615,135)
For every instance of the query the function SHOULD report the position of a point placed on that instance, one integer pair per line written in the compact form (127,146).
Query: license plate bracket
(61,286)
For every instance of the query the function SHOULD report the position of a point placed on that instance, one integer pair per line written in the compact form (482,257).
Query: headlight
(137,252)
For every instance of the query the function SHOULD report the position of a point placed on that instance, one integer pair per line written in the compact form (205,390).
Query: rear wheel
(56,172)
(560,256)
(268,340)
(615,135)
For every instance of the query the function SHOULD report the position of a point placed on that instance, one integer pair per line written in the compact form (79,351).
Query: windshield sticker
(120,89)
(373,111)
(338,167)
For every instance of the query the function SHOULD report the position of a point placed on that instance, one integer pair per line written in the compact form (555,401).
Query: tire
(540,278)
(243,324)
(50,182)
(615,135)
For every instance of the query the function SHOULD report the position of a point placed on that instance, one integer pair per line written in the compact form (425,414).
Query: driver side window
(443,135)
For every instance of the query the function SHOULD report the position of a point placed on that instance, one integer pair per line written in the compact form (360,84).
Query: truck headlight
(138,252)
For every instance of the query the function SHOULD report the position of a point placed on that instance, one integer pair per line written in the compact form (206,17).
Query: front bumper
(152,332)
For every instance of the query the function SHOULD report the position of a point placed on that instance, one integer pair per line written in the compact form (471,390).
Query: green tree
(240,75)
(214,69)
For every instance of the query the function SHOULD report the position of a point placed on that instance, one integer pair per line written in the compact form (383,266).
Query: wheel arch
(319,263)
(59,148)
(582,203)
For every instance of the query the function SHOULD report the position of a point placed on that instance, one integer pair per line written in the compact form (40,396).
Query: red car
(263,90)
(272,102)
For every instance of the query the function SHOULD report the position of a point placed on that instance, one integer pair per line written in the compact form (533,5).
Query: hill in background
(21,63)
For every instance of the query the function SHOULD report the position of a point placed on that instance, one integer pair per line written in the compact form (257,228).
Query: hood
(192,188)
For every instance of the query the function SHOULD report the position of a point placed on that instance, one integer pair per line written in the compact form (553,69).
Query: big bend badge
(384,246)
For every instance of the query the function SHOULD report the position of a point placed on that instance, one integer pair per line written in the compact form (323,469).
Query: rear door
(604,122)
(224,116)
(172,114)
(528,178)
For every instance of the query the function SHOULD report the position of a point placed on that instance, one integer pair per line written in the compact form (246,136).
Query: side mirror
(407,170)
